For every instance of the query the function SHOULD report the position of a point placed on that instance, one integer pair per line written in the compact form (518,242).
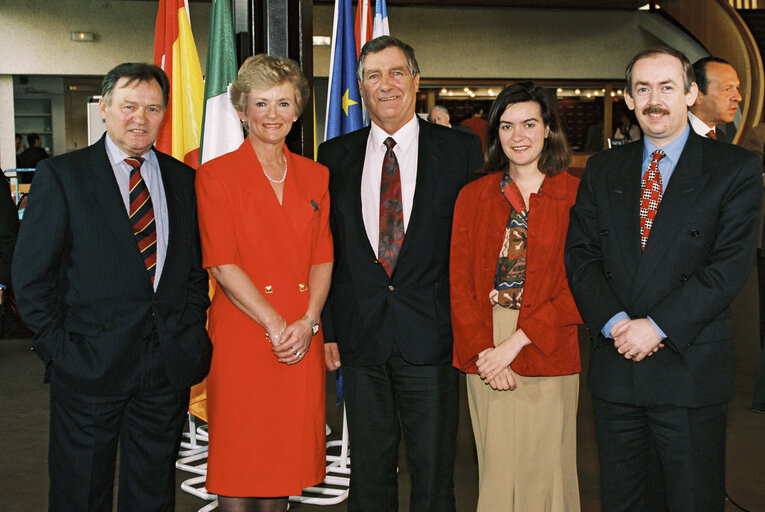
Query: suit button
(154,302)
(391,288)
(683,278)
(604,233)
(609,275)
(695,233)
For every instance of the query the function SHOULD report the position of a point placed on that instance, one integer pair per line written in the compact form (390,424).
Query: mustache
(655,109)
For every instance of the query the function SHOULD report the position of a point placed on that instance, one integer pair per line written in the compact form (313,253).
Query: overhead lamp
(560,90)
(82,37)
(577,91)
(613,94)
(451,93)
(443,91)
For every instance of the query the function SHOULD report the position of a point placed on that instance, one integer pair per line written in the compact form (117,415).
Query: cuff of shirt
(606,331)
(658,329)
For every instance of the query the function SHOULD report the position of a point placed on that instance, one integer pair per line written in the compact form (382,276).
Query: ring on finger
(298,354)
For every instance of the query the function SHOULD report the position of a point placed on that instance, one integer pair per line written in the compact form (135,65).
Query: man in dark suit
(107,273)
(392,187)
(715,108)
(654,265)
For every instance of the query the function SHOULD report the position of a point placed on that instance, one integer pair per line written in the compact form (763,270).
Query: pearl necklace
(283,177)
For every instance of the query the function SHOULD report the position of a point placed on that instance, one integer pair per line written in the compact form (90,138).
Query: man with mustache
(662,238)
(718,99)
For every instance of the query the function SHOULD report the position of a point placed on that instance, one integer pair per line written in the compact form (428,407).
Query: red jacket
(548,314)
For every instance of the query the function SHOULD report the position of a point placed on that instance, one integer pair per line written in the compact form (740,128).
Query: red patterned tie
(391,210)
(142,216)
(711,134)
(651,192)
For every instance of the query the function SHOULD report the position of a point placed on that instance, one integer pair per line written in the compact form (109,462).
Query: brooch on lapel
(315,205)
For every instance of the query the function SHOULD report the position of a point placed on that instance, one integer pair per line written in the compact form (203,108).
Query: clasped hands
(636,339)
(290,342)
(494,363)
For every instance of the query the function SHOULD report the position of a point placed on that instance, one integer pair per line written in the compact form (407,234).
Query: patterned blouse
(511,264)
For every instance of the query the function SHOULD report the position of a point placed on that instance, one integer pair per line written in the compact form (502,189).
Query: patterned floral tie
(391,210)
(651,192)
(142,216)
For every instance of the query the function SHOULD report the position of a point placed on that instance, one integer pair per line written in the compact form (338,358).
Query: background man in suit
(440,115)
(657,308)
(392,187)
(718,99)
(107,273)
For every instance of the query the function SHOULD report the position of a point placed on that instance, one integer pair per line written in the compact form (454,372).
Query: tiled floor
(24,416)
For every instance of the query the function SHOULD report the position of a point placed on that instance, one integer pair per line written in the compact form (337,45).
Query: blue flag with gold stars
(343,99)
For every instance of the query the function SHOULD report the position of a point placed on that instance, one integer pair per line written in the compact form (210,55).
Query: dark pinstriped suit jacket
(81,284)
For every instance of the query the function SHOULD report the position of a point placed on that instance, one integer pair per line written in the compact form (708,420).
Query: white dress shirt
(153,179)
(699,126)
(407,144)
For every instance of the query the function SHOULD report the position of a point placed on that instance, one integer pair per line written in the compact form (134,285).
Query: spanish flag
(176,53)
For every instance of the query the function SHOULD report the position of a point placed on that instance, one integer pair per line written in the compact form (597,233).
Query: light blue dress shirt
(153,179)
(667,165)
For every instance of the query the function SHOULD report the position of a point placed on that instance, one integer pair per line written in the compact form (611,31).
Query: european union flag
(343,99)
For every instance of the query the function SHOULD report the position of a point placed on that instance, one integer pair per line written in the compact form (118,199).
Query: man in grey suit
(392,187)
(662,238)
(107,273)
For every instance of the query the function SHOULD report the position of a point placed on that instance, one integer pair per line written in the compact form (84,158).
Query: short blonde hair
(261,72)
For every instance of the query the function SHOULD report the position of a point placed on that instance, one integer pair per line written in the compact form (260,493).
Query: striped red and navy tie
(142,216)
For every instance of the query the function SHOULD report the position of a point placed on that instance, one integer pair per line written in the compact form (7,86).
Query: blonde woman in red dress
(264,222)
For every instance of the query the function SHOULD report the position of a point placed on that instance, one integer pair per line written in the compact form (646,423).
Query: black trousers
(381,401)
(86,429)
(681,449)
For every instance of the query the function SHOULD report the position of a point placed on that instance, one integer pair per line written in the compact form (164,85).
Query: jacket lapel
(425,186)
(687,181)
(99,176)
(352,168)
(624,199)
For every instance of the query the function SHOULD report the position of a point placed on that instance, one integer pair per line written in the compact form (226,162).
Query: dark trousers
(86,428)
(686,446)
(425,400)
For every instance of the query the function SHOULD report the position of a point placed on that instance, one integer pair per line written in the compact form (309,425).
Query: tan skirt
(526,439)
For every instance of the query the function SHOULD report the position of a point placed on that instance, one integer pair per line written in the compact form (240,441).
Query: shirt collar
(404,137)
(673,150)
(117,156)
(699,126)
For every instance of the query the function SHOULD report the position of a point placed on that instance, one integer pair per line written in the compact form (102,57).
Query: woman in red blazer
(514,319)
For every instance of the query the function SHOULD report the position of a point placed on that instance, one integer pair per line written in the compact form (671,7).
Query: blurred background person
(20,146)
(627,130)
(264,221)
(477,125)
(513,315)
(440,115)
(716,105)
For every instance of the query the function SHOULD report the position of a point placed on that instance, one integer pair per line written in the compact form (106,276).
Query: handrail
(724,33)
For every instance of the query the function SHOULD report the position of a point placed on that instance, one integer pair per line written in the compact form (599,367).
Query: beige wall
(36,35)
(509,42)
(450,42)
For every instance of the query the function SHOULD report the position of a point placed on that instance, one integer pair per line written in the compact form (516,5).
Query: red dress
(266,419)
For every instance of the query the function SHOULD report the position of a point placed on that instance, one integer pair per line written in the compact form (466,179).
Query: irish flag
(176,53)
(222,131)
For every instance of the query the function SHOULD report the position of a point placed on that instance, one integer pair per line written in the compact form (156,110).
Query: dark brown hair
(556,154)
